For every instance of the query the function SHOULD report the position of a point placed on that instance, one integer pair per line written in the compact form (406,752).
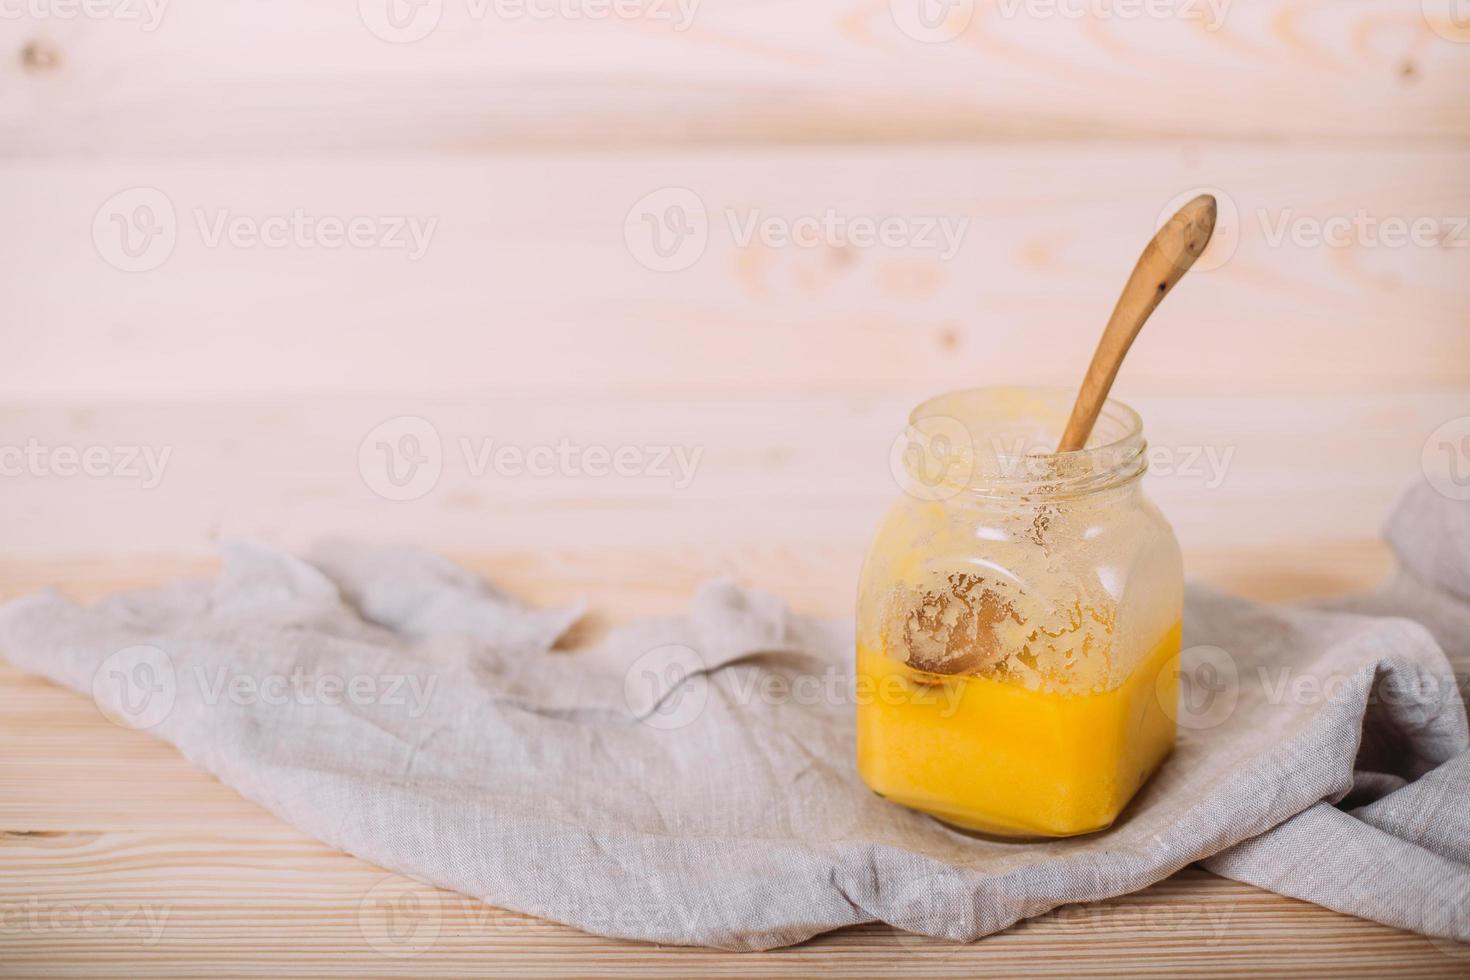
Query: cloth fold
(690,779)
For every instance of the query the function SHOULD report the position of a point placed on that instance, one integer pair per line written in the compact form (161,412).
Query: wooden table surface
(118,858)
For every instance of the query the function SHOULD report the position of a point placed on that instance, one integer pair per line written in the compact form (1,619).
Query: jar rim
(998,439)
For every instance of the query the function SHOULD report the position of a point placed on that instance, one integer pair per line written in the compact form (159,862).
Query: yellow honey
(997,756)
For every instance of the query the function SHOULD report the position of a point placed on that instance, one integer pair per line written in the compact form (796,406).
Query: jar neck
(999,445)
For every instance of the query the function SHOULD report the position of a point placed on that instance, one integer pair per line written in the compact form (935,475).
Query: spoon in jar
(1163,263)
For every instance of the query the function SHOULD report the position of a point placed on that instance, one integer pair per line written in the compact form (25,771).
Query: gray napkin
(690,780)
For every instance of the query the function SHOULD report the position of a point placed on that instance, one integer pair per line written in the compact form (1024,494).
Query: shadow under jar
(1018,620)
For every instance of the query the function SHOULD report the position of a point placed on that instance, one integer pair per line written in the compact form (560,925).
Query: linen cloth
(691,780)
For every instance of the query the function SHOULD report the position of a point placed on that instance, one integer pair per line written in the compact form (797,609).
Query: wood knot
(39,56)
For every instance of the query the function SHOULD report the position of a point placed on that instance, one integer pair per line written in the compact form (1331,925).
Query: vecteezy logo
(402,458)
(1446,459)
(400,917)
(1450,19)
(1204,691)
(667,230)
(1440,914)
(135,230)
(1226,238)
(400,21)
(135,687)
(666,688)
(932,21)
(934,458)
(929,903)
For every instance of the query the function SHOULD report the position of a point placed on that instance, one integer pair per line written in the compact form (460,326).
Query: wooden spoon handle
(1164,262)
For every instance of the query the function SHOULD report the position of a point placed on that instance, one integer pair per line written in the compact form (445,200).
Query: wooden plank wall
(536,151)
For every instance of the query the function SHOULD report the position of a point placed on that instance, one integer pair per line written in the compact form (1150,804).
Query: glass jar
(1018,619)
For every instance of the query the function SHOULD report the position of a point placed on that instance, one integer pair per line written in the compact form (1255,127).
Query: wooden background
(1320,370)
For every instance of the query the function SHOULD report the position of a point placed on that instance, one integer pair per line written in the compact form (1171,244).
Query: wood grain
(798,478)
(215,903)
(528,284)
(229,76)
